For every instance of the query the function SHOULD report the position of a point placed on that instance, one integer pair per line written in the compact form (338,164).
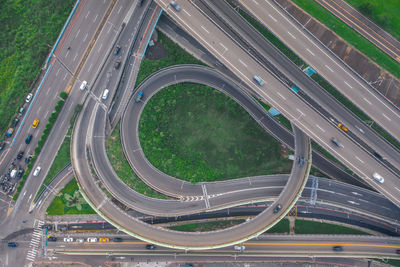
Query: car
(175,6)
(117,64)
(258,80)
(51,238)
(104,240)
(28,139)
(239,247)
(83,85)
(336,142)
(28,159)
(398,251)
(37,171)
(20,155)
(116,50)
(140,3)
(337,248)
(378,156)
(68,239)
(20,173)
(277,208)
(80,240)
(28,98)
(117,239)
(35,123)
(105,94)
(92,239)
(12,244)
(342,127)
(47,226)
(377,177)
(139,97)
(150,246)
(15,122)
(21,111)
(2,145)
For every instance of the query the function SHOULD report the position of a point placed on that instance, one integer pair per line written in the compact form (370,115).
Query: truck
(10,132)
(139,97)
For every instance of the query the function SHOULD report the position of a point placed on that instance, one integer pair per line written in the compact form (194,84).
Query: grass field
(205,226)
(69,201)
(384,13)
(351,36)
(122,167)
(28,30)
(196,133)
(311,227)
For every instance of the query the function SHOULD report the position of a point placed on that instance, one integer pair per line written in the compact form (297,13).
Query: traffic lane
(363,96)
(293,108)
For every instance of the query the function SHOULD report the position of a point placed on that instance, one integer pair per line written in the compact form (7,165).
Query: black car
(20,155)
(117,64)
(337,248)
(116,51)
(150,246)
(28,139)
(398,251)
(28,158)
(117,239)
(15,122)
(52,239)
(277,208)
(378,156)
(20,173)
(2,145)
(47,226)
(140,2)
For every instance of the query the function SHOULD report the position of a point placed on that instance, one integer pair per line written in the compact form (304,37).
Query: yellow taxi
(104,240)
(35,123)
(341,126)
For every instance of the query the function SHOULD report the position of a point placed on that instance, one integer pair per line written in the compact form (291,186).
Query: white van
(83,85)
(105,94)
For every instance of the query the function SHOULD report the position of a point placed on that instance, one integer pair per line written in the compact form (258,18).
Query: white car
(37,171)
(239,247)
(68,239)
(80,240)
(83,85)
(92,239)
(378,177)
(28,98)
(105,94)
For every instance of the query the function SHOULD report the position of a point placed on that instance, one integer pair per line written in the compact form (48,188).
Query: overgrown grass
(384,13)
(311,227)
(206,226)
(123,169)
(196,133)
(28,30)
(351,36)
(175,55)
(61,160)
(282,227)
(69,201)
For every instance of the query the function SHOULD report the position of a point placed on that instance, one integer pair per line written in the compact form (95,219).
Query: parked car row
(88,240)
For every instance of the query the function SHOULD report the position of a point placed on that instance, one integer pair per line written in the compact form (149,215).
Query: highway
(227,18)
(373,33)
(282,98)
(340,75)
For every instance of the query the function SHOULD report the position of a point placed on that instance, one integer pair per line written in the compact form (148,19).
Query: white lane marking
(24,193)
(223,46)
(204,29)
(281,95)
(90,67)
(244,64)
(75,56)
(95,18)
(348,84)
(319,127)
(65,76)
(119,10)
(366,100)
(79,30)
(101,45)
(310,51)
(187,13)
(384,115)
(87,14)
(291,35)
(326,66)
(397,188)
(39,109)
(274,19)
(84,39)
(300,111)
(359,159)
(255,2)
(48,91)
(352,202)
(57,72)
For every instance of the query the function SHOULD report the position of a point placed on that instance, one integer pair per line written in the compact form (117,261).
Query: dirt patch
(156,52)
(383,81)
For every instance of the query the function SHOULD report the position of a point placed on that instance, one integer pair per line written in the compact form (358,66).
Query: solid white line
(348,84)
(291,35)
(310,51)
(242,62)
(281,95)
(79,30)
(204,29)
(366,100)
(274,19)
(328,68)
(187,13)
(359,159)
(384,115)
(319,127)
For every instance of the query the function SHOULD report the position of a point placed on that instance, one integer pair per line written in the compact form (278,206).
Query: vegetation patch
(69,201)
(311,227)
(196,133)
(28,29)
(206,226)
